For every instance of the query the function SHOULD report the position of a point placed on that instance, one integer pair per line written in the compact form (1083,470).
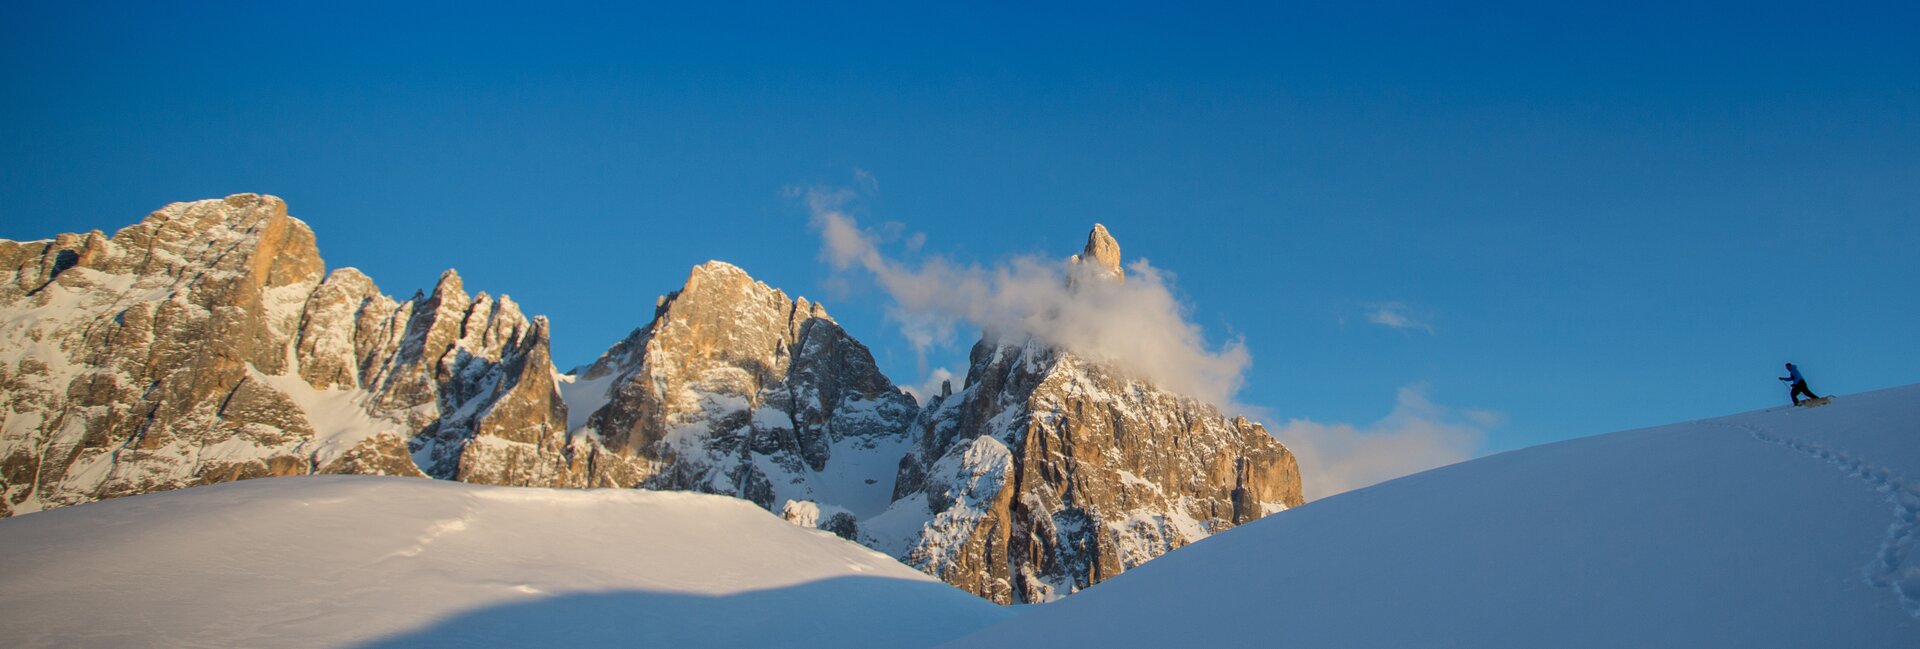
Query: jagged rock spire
(1049,472)
(736,388)
(203,336)
(1102,251)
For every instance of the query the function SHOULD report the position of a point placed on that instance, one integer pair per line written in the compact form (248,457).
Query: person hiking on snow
(1799,385)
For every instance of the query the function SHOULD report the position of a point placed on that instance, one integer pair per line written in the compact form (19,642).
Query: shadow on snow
(838,612)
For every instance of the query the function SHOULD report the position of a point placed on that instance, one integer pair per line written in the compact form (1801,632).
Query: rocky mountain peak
(735,388)
(244,235)
(448,285)
(1050,472)
(1102,252)
(201,345)
(351,275)
(716,270)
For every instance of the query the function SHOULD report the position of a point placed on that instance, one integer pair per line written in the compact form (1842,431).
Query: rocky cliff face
(207,343)
(1048,473)
(736,389)
(202,345)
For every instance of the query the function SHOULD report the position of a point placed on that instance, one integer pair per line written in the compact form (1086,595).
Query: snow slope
(355,561)
(1779,528)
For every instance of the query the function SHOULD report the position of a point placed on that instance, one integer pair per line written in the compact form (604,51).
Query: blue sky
(1587,219)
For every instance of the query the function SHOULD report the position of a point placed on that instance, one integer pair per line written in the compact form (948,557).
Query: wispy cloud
(1397,315)
(1137,325)
(1417,435)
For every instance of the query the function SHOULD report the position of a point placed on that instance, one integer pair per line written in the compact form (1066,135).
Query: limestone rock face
(1102,252)
(1047,473)
(202,345)
(207,343)
(736,389)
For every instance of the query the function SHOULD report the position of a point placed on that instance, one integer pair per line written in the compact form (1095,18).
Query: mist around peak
(1122,314)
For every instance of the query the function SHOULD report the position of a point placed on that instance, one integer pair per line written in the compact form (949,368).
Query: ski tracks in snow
(1895,565)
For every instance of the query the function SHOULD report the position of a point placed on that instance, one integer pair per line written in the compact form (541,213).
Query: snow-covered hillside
(361,561)
(1780,528)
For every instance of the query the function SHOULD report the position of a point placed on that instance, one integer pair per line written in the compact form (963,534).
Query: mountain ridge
(208,343)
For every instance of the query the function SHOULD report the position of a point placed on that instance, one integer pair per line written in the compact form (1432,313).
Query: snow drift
(1786,527)
(1778,528)
(354,561)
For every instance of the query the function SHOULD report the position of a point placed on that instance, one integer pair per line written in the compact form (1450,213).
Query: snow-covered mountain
(202,345)
(1049,472)
(1788,527)
(736,389)
(207,344)
(363,561)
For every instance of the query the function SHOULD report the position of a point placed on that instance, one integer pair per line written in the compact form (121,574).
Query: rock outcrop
(202,345)
(736,389)
(1102,253)
(1048,473)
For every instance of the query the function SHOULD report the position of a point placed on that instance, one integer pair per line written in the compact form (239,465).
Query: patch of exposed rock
(1048,473)
(736,389)
(202,345)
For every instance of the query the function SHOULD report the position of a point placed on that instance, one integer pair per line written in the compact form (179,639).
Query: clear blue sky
(1606,217)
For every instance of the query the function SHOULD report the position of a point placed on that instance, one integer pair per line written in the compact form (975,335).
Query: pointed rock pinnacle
(1102,251)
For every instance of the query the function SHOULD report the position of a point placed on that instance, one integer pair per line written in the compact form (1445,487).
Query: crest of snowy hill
(358,561)
(1788,527)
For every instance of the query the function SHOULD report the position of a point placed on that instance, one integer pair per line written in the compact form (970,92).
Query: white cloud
(1140,327)
(1137,325)
(1417,435)
(1396,315)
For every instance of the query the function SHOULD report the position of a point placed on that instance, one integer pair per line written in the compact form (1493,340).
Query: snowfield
(356,561)
(1787,527)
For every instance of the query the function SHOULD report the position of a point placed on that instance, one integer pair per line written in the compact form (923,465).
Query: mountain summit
(1050,472)
(736,389)
(1102,252)
(201,345)
(208,344)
